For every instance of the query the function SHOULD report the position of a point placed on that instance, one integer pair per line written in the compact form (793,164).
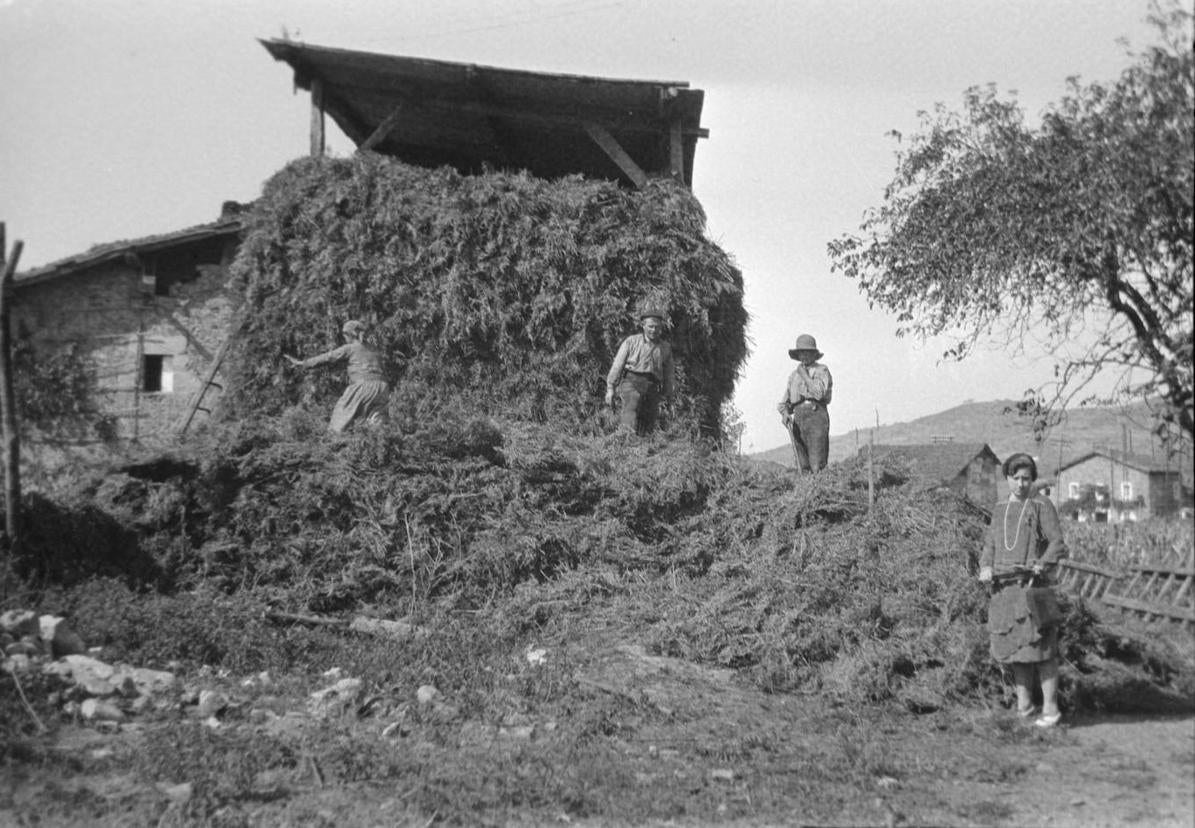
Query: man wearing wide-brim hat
(803,408)
(643,372)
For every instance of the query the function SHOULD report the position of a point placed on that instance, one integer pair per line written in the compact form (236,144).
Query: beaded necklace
(1020,520)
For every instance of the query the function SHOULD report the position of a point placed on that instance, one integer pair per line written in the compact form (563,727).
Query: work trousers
(810,428)
(640,396)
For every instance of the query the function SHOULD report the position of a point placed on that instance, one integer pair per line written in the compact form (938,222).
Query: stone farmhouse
(1109,486)
(151,316)
(971,470)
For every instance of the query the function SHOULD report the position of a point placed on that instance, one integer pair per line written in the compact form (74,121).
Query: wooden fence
(1153,591)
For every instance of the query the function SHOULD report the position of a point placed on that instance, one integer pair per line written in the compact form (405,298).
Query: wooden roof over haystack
(432,113)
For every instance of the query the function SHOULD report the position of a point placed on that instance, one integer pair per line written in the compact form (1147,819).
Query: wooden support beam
(676,152)
(12,437)
(384,128)
(609,145)
(318,136)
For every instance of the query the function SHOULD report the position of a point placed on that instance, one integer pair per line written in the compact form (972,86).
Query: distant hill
(997,424)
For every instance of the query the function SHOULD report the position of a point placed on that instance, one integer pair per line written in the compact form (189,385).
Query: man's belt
(644,375)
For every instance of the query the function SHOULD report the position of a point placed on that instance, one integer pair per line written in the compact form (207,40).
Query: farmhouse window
(1072,490)
(157,375)
(1126,490)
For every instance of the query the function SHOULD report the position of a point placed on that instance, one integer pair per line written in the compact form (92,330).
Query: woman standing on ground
(368,393)
(1023,543)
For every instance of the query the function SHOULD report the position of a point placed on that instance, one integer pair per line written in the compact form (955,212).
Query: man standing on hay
(643,369)
(803,408)
(368,393)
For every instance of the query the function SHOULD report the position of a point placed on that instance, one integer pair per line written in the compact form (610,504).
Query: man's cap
(353,326)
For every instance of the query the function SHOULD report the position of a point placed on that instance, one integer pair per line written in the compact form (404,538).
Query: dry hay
(539,534)
(499,294)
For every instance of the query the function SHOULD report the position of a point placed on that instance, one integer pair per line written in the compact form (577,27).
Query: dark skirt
(364,401)
(1015,638)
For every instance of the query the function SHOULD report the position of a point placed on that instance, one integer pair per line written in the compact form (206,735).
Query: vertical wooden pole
(676,152)
(317,118)
(871,450)
(12,437)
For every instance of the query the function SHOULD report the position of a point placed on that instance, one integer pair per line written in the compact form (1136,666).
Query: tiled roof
(112,251)
(938,462)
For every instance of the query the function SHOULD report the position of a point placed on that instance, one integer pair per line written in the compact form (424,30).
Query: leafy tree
(1074,236)
(56,392)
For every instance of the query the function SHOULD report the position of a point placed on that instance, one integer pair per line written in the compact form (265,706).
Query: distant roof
(1139,462)
(472,117)
(936,461)
(113,251)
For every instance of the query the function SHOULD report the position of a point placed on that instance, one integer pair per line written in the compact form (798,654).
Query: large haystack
(499,292)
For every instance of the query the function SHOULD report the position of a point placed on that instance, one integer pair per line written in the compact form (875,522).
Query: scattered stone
(146,681)
(426,694)
(261,715)
(536,656)
(722,774)
(211,702)
(336,699)
(99,710)
(333,673)
(58,638)
(383,628)
(180,793)
(22,646)
(89,675)
(19,623)
(19,663)
(261,680)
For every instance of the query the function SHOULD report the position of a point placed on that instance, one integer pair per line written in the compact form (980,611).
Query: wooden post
(609,144)
(317,118)
(676,152)
(12,437)
(384,129)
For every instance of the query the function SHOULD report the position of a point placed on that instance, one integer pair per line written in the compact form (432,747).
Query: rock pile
(97,691)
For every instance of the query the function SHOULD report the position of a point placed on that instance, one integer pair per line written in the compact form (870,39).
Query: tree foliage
(1074,236)
(503,291)
(56,392)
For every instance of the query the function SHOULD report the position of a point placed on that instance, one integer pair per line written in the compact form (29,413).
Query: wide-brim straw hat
(805,342)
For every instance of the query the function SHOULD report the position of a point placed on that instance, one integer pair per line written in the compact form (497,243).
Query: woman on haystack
(1024,542)
(368,393)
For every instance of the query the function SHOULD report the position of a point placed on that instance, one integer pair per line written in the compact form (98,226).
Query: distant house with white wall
(1109,486)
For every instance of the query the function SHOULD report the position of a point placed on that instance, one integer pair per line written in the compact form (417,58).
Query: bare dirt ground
(692,746)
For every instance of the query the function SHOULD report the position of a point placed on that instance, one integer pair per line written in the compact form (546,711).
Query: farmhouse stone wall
(114,317)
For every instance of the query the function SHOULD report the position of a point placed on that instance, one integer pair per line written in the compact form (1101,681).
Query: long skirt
(361,402)
(1015,638)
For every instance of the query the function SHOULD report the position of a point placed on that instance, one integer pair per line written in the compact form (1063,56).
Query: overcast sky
(125,118)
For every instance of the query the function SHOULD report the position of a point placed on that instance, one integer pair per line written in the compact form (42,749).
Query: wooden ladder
(209,381)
